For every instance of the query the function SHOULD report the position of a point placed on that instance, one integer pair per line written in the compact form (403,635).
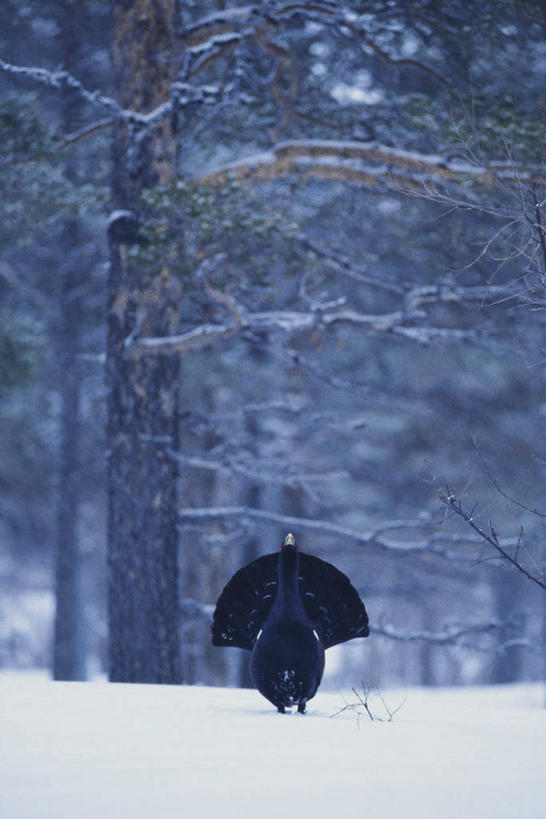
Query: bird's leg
(301,706)
(280,709)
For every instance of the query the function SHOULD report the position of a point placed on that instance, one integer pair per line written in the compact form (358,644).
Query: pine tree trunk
(142,392)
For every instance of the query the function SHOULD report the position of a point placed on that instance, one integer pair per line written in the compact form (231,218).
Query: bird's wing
(245,603)
(331,601)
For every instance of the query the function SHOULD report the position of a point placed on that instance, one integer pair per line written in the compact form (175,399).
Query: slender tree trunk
(506,664)
(250,551)
(69,651)
(142,393)
(69,648)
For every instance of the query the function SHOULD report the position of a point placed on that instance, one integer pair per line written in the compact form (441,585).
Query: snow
(97,750)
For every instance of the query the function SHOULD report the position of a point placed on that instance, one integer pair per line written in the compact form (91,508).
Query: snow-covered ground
(95,751)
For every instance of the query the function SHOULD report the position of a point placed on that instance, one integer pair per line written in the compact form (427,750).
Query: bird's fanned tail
(330,600)
(245,603)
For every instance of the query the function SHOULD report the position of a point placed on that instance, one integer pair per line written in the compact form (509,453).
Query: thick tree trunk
(142,393)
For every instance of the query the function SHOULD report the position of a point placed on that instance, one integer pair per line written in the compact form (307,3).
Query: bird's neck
(288,597)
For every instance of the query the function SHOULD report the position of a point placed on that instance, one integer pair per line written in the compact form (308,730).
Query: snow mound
(96,750)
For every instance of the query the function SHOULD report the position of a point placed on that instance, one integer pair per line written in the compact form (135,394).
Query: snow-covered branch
(182,94)
(193,610)
(258,471)
(451,636)
(61,78)
(489,295)
(374,538)
(454,636)
(292,322)
(227,23)
(196,339)
(368,164)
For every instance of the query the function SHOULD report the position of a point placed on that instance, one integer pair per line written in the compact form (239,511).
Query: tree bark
(142,394)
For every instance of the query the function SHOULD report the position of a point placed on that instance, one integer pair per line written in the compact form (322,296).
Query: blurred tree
(69,649)
(53,248)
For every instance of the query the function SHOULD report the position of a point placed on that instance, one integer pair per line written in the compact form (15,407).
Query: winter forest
(266,268)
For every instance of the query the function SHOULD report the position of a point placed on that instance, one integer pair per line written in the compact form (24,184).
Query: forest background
(270,267)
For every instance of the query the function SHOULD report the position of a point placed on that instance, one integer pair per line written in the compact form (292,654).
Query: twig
(541,231)
(499,488)
(491,537)
(362,705)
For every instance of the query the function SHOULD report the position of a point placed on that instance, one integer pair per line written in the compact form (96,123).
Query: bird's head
(289,543)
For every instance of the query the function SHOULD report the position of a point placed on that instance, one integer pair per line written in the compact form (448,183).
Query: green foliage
(187,223)
(23,134)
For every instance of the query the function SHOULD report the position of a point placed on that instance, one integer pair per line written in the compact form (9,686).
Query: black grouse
(287,609)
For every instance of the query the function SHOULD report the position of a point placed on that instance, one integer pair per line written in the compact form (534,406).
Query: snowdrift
(95,751)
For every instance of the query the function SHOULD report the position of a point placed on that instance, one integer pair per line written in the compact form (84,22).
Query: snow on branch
(292,322)
(193,610)
(489,295)
(196,339)
(451,636)
(374,538)
(258,471)
(454,636)
(368,164)
(256,18)
(61,78)
(219,23)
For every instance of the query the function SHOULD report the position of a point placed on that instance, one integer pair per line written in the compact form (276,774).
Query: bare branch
(363,704)
(491,538)
(541,231)
(449,637)
(344,266)
(100,125)
(500,490)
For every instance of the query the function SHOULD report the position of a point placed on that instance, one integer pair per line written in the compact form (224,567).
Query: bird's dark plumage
(287,608)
